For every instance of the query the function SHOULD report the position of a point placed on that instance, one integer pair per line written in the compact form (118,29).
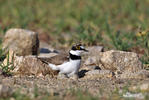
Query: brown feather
(57,60)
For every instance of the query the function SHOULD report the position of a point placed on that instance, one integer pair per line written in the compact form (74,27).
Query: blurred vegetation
(7,66)
(111,23)
(77,94)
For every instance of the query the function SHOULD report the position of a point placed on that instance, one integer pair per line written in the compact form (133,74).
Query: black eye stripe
(73,48)
(77,47)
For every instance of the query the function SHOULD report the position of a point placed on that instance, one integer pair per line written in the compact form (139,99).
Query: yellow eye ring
(78,47)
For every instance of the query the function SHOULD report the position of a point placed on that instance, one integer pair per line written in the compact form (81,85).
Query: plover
(71,65)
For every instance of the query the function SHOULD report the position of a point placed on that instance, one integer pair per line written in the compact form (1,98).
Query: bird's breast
(75,63)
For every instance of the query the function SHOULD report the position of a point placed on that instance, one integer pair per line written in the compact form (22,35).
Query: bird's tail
(53,67)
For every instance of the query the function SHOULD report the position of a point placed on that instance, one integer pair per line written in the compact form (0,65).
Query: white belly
(70,67)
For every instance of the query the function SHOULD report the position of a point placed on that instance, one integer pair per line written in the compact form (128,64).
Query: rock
(23,42)
(94,50)
(114,60)
(5,91)
(47,55)
(91,61)
(142,74)
(27,65)
(31,65)
(122,61)
(123,64)
(98,74)
(93,56)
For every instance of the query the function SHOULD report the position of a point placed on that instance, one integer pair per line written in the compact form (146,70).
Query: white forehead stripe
(82,47)
(75,52)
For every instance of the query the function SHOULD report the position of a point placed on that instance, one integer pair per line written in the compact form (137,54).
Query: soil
(54,86)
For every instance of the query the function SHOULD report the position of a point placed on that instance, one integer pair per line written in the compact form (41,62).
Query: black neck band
(74,57)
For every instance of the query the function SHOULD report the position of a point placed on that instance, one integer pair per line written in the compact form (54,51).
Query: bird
(68,65)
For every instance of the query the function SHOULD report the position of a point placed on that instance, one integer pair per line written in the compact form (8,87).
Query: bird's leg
(73,75)
(62,75)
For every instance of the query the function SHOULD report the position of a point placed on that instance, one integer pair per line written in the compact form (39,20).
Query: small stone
(144,87)
(134,95)
(98,74)
(142,74)
(8,81)
(12,98)
(93,72)
(74,77)
(62,76)
(23,42)
(5,91)
(29,83)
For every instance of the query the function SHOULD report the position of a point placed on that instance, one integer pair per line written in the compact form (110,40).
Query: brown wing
(57,60)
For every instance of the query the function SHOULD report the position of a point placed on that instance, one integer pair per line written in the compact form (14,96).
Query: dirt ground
(53,86)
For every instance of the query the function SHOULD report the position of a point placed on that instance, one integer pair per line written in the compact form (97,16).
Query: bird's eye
(78,47)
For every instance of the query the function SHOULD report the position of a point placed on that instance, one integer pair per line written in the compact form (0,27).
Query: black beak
(85,50)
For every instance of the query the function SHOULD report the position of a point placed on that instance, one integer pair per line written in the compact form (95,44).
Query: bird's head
(78,49)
